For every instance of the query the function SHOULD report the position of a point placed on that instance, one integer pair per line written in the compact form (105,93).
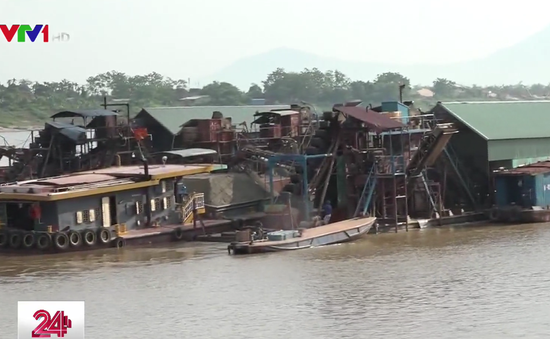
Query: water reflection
(428,240)
(25,267)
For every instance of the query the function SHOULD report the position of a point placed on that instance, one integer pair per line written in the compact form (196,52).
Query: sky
(191,39)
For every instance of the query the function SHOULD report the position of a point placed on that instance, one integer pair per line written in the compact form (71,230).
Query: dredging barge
(76,140)
(383,162)
(113,207)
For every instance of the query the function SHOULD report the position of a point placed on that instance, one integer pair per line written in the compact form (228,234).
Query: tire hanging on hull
(44,241)
(16,240)
(104,236)
(89,238)
(178,234)
(29,240)
(120,242)
(61,241)
(4,238)
(75,238)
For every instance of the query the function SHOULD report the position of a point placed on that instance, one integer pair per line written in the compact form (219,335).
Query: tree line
(25,103)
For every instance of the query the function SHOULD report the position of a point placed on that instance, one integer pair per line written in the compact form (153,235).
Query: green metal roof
(173,117)
(500,120)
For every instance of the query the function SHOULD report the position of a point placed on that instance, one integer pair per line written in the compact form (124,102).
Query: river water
(455,282)
(17,139)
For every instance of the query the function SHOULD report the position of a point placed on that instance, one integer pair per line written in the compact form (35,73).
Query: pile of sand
(226,188)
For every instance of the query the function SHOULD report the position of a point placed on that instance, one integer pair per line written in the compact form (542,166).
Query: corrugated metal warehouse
(497,134)
(503,133)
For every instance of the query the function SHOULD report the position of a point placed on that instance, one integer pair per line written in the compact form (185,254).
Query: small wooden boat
(335,233)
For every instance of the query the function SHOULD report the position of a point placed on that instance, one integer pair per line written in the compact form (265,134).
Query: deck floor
(319,231)
(164,229)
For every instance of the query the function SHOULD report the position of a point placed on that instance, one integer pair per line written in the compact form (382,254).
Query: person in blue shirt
(182,189)
(181,193)
(327,212)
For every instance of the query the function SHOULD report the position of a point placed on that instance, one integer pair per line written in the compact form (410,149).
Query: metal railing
(199,200)
(195,201)
(390,164)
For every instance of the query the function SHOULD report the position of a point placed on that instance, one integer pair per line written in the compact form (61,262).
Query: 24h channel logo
(50,319)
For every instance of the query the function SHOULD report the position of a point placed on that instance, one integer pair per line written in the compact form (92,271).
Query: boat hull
(336,235)
(142,237)
(519,216)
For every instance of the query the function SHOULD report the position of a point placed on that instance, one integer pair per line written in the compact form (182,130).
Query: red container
(209,129)
(290,124)
(227,135)
(270,131)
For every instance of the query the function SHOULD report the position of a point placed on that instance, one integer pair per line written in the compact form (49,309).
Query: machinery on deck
(75,140)
(370,162)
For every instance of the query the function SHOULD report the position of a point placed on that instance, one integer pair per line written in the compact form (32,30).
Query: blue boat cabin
(525,186)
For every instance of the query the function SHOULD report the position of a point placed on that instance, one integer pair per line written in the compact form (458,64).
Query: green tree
(443,87)
(254,92)
(223,94)
(24,103)
(386,86)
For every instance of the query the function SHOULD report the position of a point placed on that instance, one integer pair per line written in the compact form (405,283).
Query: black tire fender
(28,240)
(120,242)
(89,237)
(61,241)
(16,239)
(178,233)
(44,241)
(75,238)
(104,236)
(4,238)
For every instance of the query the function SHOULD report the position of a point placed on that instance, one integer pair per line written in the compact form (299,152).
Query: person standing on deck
(181,192)
(327,212)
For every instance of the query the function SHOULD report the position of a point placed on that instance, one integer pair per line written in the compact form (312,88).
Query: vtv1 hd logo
(23,31)
(50,319)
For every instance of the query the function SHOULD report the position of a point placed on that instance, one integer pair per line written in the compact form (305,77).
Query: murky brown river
(461,282)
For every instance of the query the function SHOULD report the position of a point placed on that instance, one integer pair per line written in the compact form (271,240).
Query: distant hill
(526,62)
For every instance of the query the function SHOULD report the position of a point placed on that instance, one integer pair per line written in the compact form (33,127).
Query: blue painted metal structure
(368,191)
(259,101)
(394,106)
(524,190)
(385,188)
(299,160)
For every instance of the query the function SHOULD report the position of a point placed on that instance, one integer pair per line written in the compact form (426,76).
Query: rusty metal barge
(390,163)
(76,140)
(367,162)
(393,162)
